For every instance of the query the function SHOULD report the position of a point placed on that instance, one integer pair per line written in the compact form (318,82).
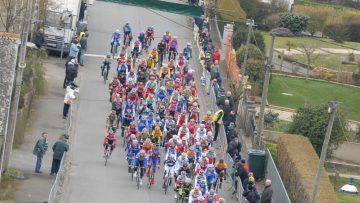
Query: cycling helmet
(183,155)
(108,55)
(117,31)
(142,152)
(167,32)
(221,161)
(132,136)
(202,126)
(208,113)
(135,142)
(198,143)
(221,200)
(188,44)
(185,165)
(183,173)
(184,139)
(210,166)
(187,181)
(175,37)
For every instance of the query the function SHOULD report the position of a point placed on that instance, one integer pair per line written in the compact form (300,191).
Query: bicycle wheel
(105,72)
(166,185)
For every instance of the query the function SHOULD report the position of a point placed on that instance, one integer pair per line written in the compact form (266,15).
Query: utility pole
(257,140)
(17,87)
(332,109)
(249,23)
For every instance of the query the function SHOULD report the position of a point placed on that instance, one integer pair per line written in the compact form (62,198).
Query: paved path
(299,50)
(45,116)
(90,180)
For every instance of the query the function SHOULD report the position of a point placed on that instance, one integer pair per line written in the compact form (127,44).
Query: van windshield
(56,19)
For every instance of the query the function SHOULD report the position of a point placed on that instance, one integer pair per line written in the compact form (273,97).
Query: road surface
(90,180)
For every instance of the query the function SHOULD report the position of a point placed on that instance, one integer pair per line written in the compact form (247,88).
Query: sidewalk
(45,116)
(299,50)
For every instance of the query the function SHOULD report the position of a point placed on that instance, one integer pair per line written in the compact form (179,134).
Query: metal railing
(57,188)
(280,194)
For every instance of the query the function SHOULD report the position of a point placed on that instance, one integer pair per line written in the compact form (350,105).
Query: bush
(336,32)
(250,7)
(270,117)
(272,21)
(240,35)
(255,69)
(293,21)
(353,28)
(253,53)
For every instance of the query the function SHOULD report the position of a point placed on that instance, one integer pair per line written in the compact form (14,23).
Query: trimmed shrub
(293,21)
(353,28)
(255,70)
(337,32)
(297,163)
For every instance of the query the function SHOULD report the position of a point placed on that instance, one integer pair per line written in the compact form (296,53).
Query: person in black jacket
(241,173)
(234,147)
(39,38)
(71,72)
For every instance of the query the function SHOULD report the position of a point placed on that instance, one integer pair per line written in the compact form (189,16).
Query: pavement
(46,115)
(90,180)
(299,50)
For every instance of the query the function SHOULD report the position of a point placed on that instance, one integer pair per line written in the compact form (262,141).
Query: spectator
(227,108)
(234,147)
(249,180)
(231,133)
(83,8)
(218,116)
(216,87)
(237,159)
(251,194)
(59,148)
(39,150)
(228,96)
(71,72)
(74,50)
(39,38)
(231,118)
(69,96)
(267,192)
(83,44)
(216,55)
(245,165)
(241,173)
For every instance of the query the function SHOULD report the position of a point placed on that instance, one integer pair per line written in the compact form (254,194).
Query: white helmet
(117,31)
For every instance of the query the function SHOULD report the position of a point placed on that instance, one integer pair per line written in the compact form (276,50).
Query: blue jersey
(133,151)
(187,51)
(115,37)
(138,160)
(210,174)
(126,28)
(154,157)
(142,38)
(161,95)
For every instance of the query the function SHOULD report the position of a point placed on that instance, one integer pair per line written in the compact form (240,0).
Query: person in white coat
(69,96)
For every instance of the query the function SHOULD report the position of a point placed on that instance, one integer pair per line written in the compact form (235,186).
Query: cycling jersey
(220,166)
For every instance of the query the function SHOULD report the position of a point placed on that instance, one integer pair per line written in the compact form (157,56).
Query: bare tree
(10,11)
(309,51)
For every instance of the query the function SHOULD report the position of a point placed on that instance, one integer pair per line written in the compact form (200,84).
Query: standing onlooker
(69,96)
(39,38)
(74,50)
(267,192)
(83,44)
(39,150)
(83,8)
(59,148)
(216,55)
(218,116)
(71,72)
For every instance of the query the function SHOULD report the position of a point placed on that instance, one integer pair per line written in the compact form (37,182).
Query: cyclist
(133,150)
(132,130)
(195,195)
(211,197)
(220,168)
(211,175)
(154,162)
(188,51)
(150,62)
(180,180)
(147,146)
(161,48)
(149,34)
(151,86)
(173,48)
(140,161)
(185,189)
(106,63)
(114,85)
(170,161)
(211,155)
(181,160)
(154,54)
(111,121)
(167,37)
(203,187)
(110,140)
(127,33)
(142,39)
(156,135)
(210,138)
(183,146)
(183,131)
(136,48)
(115,38)
(200,132)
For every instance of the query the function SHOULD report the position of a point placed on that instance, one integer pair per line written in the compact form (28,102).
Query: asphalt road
(90,180)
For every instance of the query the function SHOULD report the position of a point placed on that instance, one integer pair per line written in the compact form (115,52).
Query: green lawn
(279,126)
(230,10)
(280,42)
(343,198)
(294,93)
(331,61)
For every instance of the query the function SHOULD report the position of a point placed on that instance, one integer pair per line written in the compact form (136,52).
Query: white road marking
(287,94)
(95,55)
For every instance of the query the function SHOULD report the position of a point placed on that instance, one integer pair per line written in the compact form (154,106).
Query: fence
(61,179)
(279,194)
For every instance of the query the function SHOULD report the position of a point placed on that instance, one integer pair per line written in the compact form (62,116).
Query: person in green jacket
(59,148)
(40,150)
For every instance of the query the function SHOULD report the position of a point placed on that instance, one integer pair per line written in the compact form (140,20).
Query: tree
(312,122)
(295,22)
(255,70)
(10,11)
(240,35)
(309,52)
(253,53)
